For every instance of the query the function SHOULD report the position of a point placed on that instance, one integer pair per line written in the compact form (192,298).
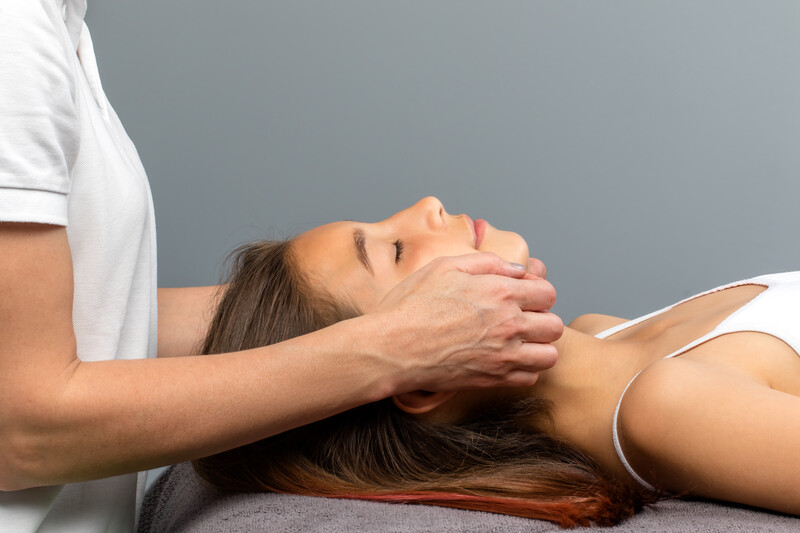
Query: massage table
(179,501)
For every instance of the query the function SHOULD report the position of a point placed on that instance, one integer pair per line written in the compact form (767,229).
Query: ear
(421,401)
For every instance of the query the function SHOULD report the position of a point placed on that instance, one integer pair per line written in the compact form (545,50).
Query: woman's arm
(183,317)
(692,426)
(64,420)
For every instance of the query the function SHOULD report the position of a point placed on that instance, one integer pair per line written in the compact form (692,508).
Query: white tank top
(775,311)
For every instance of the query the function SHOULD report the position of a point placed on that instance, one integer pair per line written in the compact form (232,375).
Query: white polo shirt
(65,159)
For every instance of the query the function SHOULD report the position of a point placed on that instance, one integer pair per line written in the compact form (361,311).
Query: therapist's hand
(537,268)
(468,322)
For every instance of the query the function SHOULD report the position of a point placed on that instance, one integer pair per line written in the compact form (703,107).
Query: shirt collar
(73,11)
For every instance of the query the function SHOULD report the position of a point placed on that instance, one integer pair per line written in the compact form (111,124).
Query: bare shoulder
(690,426)
(594,323)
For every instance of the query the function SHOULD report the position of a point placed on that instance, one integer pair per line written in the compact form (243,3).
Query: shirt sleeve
(39,125)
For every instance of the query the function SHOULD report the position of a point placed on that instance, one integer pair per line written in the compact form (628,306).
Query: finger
(514,377)
(535,357)
(537,268)
(520,369)
(541,327)
(529,294)
(483,263)
(519,378)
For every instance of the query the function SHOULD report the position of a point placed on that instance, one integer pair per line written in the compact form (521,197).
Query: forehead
(327,254)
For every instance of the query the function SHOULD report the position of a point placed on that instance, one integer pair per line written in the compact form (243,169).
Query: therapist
(85,403)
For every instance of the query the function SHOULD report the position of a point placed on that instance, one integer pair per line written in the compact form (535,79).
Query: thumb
(485,263)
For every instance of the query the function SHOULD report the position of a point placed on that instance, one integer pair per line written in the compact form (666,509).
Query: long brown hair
(501,458)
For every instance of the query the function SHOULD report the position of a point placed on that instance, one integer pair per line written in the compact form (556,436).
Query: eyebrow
(361,250)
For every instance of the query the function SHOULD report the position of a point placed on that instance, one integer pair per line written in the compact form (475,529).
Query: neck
(584,365)
(585,385)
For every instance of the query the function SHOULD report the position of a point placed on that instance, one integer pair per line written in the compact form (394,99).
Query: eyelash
(398,244)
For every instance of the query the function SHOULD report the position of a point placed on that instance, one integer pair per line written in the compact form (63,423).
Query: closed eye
(398,245)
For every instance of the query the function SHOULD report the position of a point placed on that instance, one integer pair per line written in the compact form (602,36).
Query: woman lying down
(699,399)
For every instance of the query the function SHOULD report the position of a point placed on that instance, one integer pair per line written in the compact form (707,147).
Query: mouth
(480,230)
(477,228)
(472,230)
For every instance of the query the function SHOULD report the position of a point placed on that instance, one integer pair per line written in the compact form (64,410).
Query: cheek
(422,256)
(352,286)
(389,280)
(368,301)
(430,249)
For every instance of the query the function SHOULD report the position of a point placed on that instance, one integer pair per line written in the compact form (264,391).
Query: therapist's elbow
(30,454)
(21,461)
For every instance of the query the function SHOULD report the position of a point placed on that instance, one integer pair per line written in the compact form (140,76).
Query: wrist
(375,345)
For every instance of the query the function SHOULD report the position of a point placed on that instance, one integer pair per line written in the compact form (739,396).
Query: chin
(507,244)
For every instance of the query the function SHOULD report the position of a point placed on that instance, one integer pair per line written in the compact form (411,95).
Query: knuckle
(500,366)
(502,291)
(483,383)
(508,329)
(492,367)
(440,262)
(491,256)
(520,325)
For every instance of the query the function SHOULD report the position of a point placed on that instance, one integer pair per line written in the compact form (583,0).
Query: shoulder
(36,60)
(594,323)
(692,426)
(659,421)
(34,37)
(666,387)
(30,14)
(39,114)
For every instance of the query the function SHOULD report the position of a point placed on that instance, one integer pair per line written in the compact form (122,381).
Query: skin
(423,232)
(720,421)
(63,419)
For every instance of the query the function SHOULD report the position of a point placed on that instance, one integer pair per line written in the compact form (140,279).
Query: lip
(480,229)
(471,226)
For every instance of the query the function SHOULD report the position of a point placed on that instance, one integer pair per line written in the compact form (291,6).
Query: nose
(431,211)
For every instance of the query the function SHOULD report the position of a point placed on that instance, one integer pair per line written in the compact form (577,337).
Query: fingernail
(517,265)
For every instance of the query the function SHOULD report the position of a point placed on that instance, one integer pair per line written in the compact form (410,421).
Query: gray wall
(646,150)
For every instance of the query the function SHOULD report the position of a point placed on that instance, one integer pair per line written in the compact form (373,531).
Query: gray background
(646,149)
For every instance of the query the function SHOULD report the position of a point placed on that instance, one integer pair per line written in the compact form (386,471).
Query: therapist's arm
(183,317)
(184,314)
(65,420)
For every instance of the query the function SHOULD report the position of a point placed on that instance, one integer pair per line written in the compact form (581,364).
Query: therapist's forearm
(111,417)
(183,318)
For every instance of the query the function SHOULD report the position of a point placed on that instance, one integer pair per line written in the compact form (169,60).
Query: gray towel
(181,502)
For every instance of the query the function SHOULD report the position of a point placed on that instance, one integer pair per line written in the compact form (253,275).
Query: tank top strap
(761,280)
(618,443)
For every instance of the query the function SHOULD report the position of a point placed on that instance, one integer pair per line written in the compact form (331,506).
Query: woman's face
(363,262)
